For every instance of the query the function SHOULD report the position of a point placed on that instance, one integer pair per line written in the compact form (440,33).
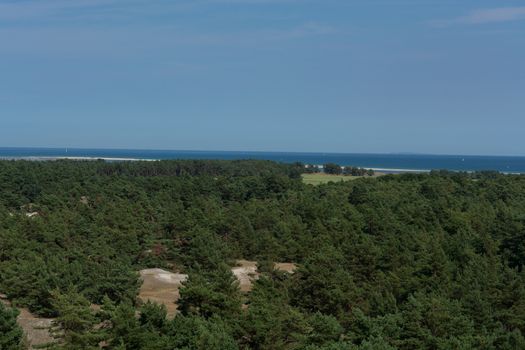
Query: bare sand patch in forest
(161,287)
(246,273)
(36,329)
(285,267)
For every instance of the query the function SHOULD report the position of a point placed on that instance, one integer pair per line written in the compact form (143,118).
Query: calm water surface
(382,161)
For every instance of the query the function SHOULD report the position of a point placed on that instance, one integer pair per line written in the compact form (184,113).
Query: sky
(352,76)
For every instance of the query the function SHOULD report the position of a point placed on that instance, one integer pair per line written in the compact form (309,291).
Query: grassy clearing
(317,179)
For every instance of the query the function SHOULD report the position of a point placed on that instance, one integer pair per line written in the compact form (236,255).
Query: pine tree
(11,334)
(211,293)
(75,323)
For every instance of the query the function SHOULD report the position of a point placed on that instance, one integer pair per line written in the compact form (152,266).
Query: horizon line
(258,151)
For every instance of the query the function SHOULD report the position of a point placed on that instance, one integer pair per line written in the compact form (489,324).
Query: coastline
(108,159)
(122,159)
(386,163)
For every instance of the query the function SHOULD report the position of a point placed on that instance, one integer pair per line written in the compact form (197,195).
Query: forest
(406,261)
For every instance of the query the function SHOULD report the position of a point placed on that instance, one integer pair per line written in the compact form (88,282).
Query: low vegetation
(11,335)
(410,261)
(322,178)
(332,172)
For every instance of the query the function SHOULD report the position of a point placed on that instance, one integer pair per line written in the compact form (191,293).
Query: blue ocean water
(509,164)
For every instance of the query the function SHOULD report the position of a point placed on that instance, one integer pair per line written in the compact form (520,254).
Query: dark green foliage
(356,171)
(209,293)
(323,285)
(10,333)
(194,332)
(325,329)
(411,261)
(332,169)
(271,322)
(75,322)
(152,316)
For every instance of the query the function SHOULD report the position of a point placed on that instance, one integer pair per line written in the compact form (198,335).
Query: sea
(385,162)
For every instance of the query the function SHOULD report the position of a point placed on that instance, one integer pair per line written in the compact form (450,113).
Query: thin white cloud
(484,16)
(119,42)
(504,14)
(88,9)
(255,1)
(86,28)
(53,9)
(22,10)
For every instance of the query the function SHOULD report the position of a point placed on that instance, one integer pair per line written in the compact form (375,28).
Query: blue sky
(372,76)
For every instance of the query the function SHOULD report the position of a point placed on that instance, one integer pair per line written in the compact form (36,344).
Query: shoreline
(79,158)
(124,159)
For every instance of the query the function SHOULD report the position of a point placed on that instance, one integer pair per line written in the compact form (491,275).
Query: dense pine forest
(409,261)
